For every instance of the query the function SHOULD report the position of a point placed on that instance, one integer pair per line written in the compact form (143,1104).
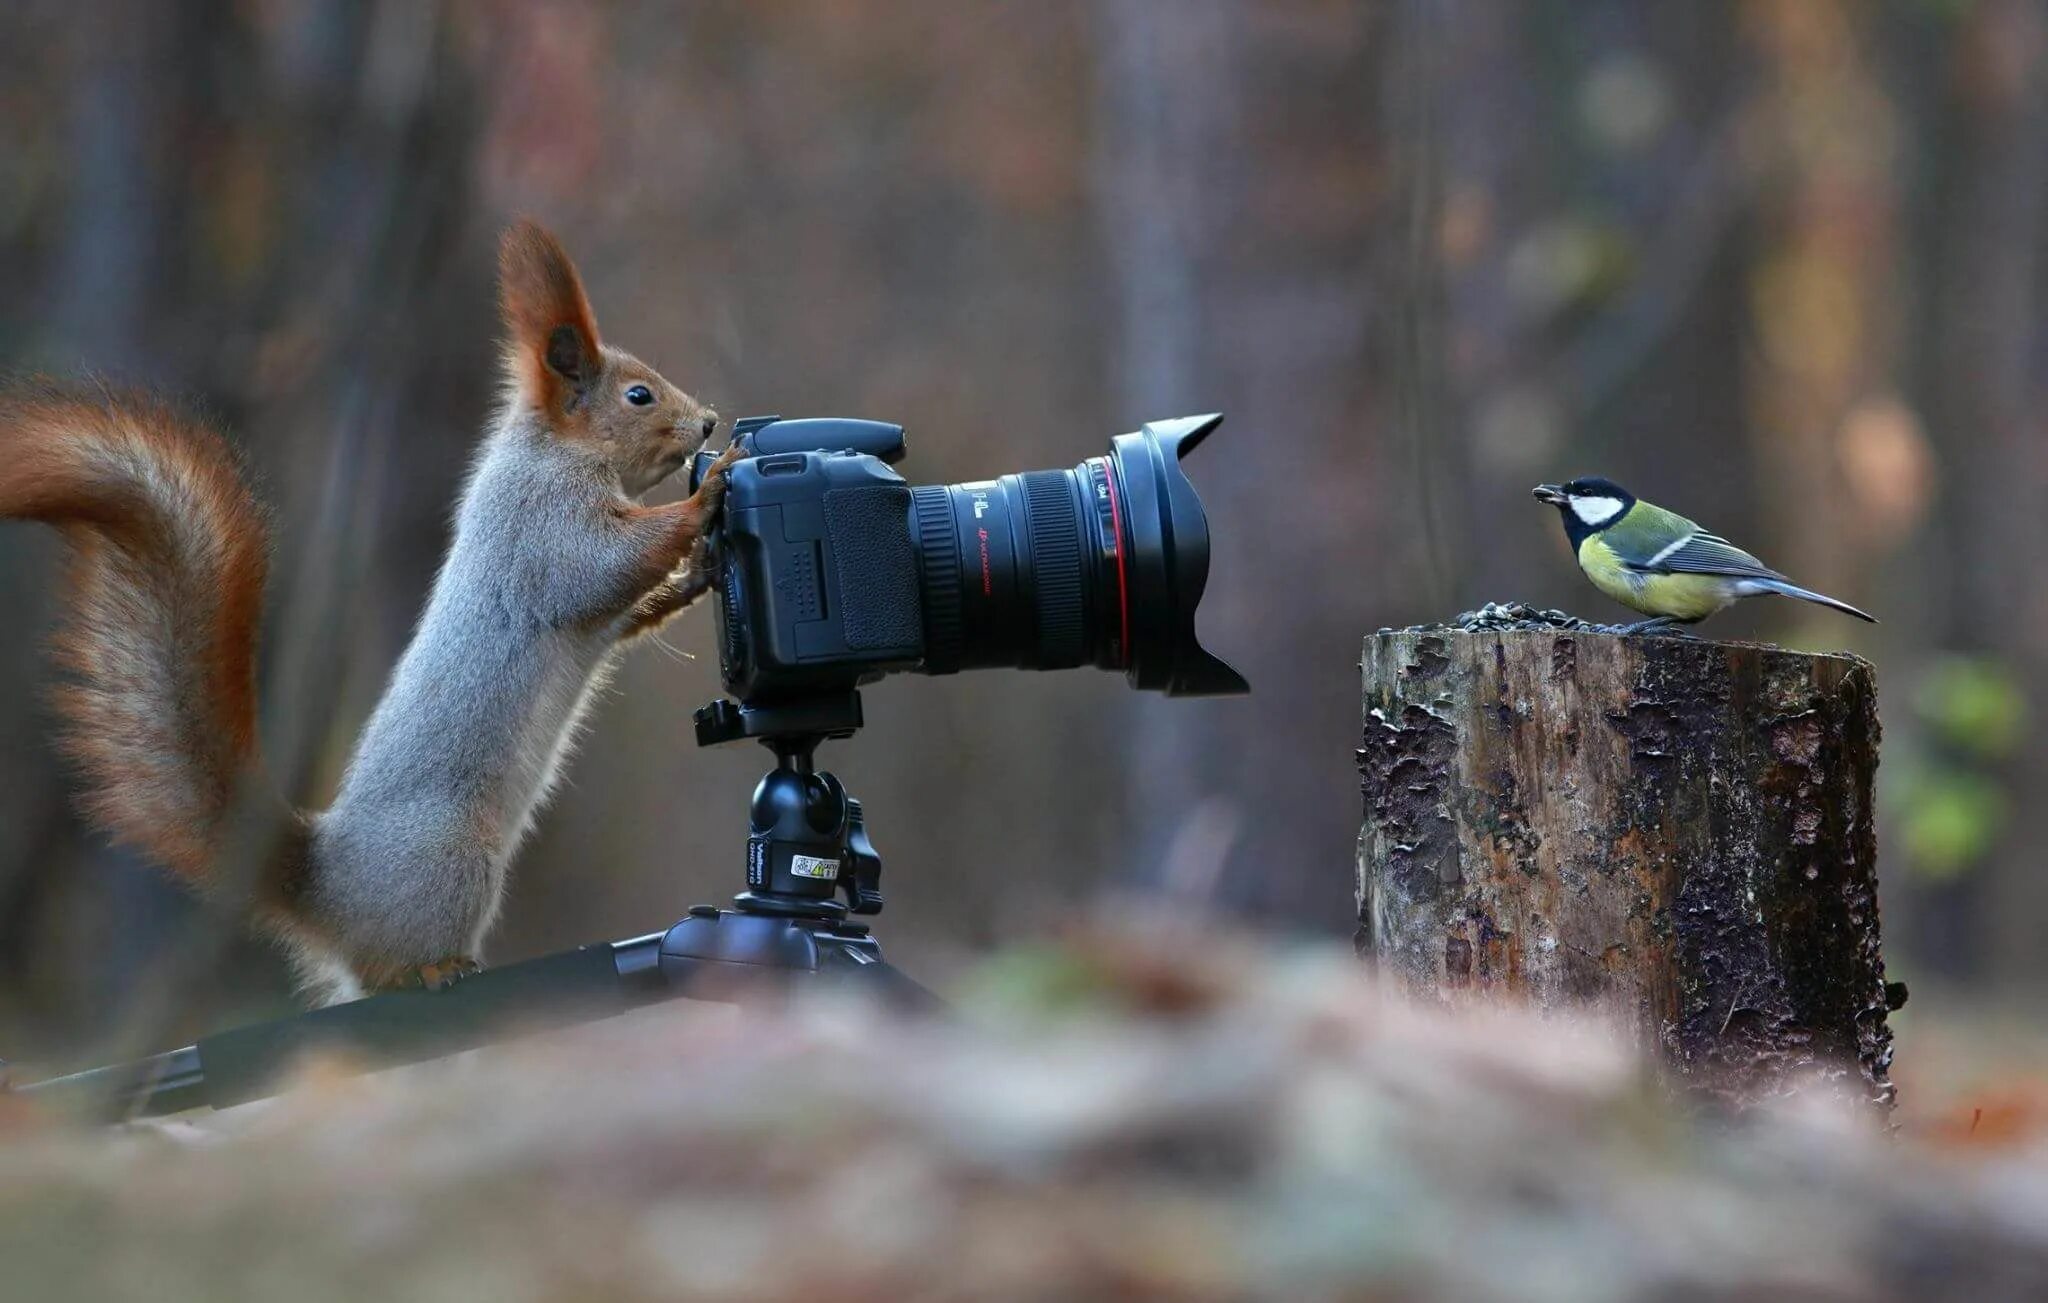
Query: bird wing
(1644,533)
(1652,541)
(1708,554)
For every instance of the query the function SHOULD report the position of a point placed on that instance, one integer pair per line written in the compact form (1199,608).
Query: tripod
(807,841)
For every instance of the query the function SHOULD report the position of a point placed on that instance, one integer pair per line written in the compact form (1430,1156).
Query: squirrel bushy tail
(168,552)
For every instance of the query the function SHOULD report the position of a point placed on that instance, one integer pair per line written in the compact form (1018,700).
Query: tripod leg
(887,983)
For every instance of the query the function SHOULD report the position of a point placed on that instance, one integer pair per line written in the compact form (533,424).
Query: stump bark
(1677,830)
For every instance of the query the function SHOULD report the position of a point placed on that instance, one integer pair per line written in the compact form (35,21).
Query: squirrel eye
(639,395)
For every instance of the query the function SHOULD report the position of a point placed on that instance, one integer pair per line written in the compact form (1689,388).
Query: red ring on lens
(1116,530)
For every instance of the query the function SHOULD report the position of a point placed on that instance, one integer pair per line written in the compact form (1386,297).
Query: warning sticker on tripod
(811,866)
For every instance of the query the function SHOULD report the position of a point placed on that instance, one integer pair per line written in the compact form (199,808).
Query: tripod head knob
(863,876)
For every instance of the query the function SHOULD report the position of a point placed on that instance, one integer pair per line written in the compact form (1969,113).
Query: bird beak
(1550,493)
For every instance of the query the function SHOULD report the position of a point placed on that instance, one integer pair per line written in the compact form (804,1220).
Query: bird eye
(639,395)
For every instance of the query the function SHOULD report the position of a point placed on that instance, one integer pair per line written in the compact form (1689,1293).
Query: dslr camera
(832,571)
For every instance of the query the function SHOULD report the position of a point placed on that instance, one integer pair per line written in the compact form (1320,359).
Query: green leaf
(1951,821)
(1974,703)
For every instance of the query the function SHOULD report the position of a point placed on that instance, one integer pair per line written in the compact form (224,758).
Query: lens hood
(1168,560)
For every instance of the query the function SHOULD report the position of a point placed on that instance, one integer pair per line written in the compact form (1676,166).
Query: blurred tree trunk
(1167,103)
(1982,340)
(1823,251)
(1192,155)
(269,214)
(100,298)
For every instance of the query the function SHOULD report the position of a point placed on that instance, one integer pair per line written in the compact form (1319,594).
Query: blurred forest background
(1775,263)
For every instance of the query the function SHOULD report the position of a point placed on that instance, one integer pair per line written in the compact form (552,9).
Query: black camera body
(818,578)
(832,571)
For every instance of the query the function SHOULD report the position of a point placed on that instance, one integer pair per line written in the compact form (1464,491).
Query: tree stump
(1677,830)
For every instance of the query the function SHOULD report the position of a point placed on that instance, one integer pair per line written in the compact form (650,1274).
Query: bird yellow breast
(1686,597)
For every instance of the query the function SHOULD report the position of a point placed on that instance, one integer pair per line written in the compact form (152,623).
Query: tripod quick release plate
(726,720)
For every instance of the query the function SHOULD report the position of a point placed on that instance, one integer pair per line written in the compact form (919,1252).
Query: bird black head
(1587,504)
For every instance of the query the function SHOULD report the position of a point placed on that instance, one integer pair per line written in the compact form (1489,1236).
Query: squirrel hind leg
(322,976)
(321,972)
(437,975)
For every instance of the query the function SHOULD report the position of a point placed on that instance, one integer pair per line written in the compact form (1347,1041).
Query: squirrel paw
(443,973)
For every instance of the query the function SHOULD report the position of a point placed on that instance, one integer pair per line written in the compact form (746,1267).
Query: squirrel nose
(710,423)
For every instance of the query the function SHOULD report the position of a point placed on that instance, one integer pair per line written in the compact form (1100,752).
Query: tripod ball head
(796,838)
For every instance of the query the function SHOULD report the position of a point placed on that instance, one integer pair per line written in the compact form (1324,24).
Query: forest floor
(1101,1122)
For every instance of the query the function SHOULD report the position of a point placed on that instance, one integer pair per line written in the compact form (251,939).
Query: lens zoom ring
(939,557)
(1056,564)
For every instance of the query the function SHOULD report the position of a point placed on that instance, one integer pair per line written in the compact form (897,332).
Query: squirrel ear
(551,337)
(565,355)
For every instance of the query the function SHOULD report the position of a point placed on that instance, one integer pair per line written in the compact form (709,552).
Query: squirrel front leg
(666,535)
(672,595)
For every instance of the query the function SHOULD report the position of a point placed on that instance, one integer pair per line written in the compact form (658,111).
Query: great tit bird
(1658,562)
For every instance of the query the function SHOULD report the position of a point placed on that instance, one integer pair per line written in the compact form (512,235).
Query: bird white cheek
(1595,511)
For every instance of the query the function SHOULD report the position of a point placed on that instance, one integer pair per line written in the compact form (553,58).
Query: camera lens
(1103,564)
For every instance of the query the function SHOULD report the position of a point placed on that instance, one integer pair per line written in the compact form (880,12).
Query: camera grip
(869,532)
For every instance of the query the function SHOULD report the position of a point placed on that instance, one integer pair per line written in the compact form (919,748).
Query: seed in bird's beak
(1550,493)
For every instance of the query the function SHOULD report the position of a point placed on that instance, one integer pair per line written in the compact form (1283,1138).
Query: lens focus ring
(1056,563)
(939,555)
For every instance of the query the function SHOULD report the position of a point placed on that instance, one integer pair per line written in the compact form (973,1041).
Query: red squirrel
(554,564)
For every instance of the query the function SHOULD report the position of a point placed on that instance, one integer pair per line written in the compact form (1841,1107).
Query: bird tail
(163,596)
(1808,595)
